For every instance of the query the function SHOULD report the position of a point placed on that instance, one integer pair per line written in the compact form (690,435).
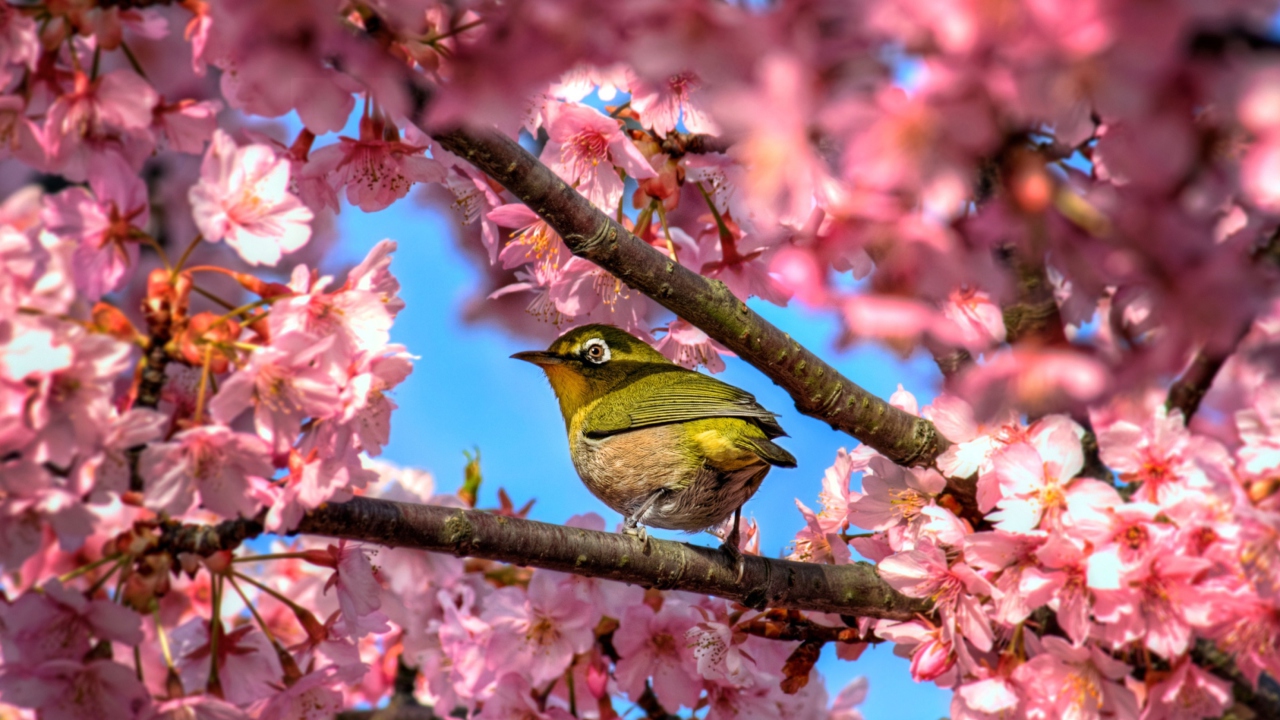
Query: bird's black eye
(596,351)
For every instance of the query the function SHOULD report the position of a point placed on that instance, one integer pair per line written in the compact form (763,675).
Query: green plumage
(672,394)
(661,444)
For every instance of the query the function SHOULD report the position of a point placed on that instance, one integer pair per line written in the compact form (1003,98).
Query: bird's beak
(539,357)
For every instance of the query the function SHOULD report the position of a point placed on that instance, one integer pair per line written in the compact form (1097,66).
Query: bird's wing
(674,396)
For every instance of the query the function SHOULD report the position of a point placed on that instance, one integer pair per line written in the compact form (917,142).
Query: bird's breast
(625,468)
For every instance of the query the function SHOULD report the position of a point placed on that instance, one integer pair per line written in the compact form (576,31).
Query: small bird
(664,446)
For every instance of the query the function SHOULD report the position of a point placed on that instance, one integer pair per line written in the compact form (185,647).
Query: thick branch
(1187,391)
(817,388)
(847,589)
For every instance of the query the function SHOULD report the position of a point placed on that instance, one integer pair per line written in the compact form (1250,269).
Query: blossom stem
(137,67)
(666,230)
(203,389)
(186,254)
(451,32)
(620,109)
(268,556)
(215,629)
(213,297)
(715,213)
(163,638)
(97,584)
(87,568)
(253,610)
(93,69)
(268,590)
(242,310)
(151,243)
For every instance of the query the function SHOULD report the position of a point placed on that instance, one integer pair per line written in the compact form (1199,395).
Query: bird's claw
(735,557)
(631,527)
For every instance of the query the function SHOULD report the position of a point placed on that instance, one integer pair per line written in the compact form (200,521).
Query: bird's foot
(735,558)
(631,527)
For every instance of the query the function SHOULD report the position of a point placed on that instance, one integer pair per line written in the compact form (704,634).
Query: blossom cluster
(1065,202)
(1064,595)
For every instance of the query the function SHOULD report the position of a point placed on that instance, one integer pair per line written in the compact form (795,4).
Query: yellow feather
(722,453)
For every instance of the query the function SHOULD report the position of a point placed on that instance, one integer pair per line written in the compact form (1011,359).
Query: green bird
(662,445)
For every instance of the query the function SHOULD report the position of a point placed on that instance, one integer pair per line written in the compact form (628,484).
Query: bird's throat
(571,389)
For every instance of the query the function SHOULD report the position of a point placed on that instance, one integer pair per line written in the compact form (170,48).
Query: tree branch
(1188,390)
(848,589)
(817,388)
(853,589)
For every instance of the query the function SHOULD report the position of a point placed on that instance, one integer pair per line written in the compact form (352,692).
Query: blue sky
(465,393)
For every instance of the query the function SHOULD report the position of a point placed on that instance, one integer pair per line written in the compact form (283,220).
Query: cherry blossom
(243,198)
(1070,209)
(584,148)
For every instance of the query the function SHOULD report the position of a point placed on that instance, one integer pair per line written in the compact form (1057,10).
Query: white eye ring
(596,351)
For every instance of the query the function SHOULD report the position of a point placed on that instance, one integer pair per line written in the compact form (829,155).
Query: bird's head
(588,362)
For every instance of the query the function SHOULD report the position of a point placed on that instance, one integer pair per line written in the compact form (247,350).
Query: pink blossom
(686,345)
(247,663)
(1159,605)
(663,105)
(1252,637)
(376,171)
(357,320)
(19,44)
(980,320)
(514,698)
(359,593)
(102,225)
(1160,459)
(284,382)
(930,648)
(111,114)
(585,146)
(533,240)
(1042,380)
(818,542)
(57,623)
(243,197)
(463,637)
(652,645)
(956,589)
(473,200)
(70,408)
(719,656)
(992,698)
(845,706)
(136,427)
(187,124)
(367,405)
(1189,693)
(540,629)
(1260,169)
(223,465)
(313,696)
(199,707)
(72,690)
(1035,485)
(894,495)
(1076,682)
(1127,545)
(973,443)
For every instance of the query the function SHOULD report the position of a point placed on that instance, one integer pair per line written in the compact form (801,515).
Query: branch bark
(817,388)
(847,589)
(854,589)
